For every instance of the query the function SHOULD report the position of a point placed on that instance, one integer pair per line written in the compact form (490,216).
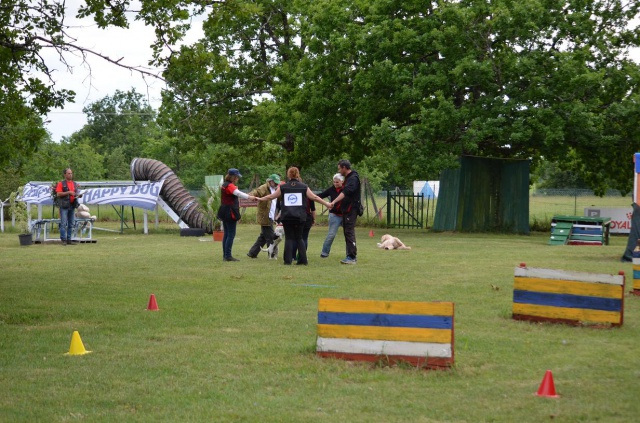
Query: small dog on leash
(389,242)
(272,250)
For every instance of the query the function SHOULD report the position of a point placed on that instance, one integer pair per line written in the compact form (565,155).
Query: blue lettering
(144,189)
(123,190)
(155,189)
(135,189)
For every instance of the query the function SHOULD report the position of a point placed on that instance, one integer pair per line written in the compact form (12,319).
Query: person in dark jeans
(350,202)
(229,211)
(67,193)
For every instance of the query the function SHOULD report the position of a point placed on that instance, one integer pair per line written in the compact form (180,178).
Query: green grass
(236,341)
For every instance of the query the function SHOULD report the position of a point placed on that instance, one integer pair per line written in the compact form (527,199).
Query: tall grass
(236,341)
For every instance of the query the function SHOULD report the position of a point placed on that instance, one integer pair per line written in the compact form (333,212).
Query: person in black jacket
(335,214)
(293,213)
(350,198)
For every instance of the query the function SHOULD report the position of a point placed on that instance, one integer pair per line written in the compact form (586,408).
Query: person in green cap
(266,214)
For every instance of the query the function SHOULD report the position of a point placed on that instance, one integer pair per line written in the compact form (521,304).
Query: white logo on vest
(293,199)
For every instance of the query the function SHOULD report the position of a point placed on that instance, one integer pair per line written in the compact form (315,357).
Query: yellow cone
(77,347)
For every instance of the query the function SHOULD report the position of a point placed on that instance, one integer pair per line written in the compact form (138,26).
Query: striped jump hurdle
(568,297)
(419,333)
(636,273)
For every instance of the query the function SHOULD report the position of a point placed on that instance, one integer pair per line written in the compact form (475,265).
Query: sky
(99,78)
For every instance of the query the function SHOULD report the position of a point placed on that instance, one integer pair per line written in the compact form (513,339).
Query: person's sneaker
(63,243)
(323,256)
(348,260)
(69,242)
(230,259)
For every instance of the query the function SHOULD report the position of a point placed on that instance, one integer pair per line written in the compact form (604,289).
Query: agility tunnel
(173,192)
(417,333)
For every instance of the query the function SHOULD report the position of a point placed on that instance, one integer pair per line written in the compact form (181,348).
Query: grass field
(236,341)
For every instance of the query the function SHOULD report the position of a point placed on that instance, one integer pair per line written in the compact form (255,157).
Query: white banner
(143,195)
(620,217)
(37,194)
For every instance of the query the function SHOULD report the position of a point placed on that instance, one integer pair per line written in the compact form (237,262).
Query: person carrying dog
(335,214)
(67,200)
(350,207)
(229,211)
(266,215)
(293,202)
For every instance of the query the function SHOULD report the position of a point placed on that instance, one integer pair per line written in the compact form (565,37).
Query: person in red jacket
(66,191)
(229,211)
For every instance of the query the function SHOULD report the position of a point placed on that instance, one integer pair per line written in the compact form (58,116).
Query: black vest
(293,201)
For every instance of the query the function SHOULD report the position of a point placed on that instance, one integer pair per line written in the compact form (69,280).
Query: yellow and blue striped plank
(379,319)
(567,300)
(576,314)
(385,333)
(385,307)
(636,273)
(558,286)
(562,295)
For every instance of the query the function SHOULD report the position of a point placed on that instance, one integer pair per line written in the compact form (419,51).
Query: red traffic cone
(153,305)
(547,389)
(371,233)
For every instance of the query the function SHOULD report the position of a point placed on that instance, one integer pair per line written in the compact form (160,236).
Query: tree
(49,162)
(27,80)
(119,127)
(410,85)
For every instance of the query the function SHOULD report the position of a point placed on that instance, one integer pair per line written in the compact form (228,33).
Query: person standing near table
(350,198)
(293,214)
(229,211)
(67,194)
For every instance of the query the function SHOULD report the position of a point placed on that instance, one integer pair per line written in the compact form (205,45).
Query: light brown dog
(389,242)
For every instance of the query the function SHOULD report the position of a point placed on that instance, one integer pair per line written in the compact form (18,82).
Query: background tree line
(402,88)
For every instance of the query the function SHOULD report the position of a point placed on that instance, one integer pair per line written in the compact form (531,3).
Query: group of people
(294,207)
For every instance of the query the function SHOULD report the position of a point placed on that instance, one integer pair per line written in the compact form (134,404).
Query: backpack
(64,201)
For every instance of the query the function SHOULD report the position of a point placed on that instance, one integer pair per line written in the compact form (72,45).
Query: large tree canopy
(411,85)
(407,86)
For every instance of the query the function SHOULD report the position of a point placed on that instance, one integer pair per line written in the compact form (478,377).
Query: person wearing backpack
(351,207)
(67,200)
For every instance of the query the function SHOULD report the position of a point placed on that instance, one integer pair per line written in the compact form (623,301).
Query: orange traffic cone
(547,389)
(371,233)
(153,305)
(76,347)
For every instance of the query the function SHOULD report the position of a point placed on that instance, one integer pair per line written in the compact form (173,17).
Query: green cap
(274,177)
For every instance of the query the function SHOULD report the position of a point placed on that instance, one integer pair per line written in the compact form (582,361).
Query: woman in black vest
(293,197)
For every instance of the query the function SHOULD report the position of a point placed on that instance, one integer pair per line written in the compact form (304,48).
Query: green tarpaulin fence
(484,195)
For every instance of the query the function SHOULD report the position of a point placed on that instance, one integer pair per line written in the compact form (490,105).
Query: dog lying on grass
(389,242)
(272,250)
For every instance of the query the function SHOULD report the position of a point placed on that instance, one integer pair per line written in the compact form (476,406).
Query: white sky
(103,79)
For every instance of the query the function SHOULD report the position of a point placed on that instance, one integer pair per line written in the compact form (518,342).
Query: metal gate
(405,210)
